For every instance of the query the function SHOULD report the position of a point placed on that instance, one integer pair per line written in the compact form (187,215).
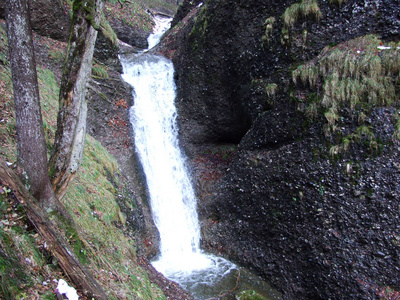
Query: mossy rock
(249,295)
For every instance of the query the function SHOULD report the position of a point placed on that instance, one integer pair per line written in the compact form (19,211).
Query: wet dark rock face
(271,196)
(128,34)
(183,10)
(316,228)
(48,18)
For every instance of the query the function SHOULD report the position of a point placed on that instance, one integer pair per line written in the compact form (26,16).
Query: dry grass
(304,9)
(268,27)
(355,75)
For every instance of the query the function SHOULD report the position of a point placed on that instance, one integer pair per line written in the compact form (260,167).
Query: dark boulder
(317,225)
(183,10)
(129,34)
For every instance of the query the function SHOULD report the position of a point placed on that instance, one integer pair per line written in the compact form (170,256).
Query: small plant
(285,37)
(332,116)
(307,74)
(312,110)
(268,27)
(303,9)
(99,70)
(271,89)
(262,87)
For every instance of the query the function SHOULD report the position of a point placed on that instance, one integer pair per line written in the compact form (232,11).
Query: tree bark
(32,152)
(71,122)
(58,246)
(31,147)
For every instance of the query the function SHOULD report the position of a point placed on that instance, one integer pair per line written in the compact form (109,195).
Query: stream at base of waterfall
(172,198)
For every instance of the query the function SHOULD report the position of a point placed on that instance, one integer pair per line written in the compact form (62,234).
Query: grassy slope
(101,240)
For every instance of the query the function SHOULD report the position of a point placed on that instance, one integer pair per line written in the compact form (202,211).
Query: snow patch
(384,47)
(64,289)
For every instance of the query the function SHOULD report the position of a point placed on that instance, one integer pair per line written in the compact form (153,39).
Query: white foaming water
(172,197)
(161,25)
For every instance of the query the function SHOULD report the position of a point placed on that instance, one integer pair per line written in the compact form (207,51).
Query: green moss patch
(249,295)
(101,241)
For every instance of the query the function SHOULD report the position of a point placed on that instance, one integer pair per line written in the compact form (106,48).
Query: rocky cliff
(108,122)
(293,138)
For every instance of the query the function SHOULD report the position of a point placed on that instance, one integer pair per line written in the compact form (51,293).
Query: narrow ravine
(172,197)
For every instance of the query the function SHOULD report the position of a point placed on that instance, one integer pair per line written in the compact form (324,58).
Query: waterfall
(153,117)
(172,198)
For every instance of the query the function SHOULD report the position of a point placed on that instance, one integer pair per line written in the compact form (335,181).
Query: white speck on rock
(384,47)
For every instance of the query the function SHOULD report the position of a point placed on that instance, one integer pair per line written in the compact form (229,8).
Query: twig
(226,293)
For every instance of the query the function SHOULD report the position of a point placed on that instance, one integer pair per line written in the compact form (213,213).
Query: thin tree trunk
(32,152)
(58,246)
(71,122)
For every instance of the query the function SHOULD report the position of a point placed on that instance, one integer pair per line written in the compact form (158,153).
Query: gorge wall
(309,203)
(308,200)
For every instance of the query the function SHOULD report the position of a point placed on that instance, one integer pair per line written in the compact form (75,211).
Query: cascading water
(172,197)
(161,25)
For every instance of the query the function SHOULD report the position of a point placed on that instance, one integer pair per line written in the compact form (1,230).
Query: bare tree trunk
(32,152)
(71,122)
